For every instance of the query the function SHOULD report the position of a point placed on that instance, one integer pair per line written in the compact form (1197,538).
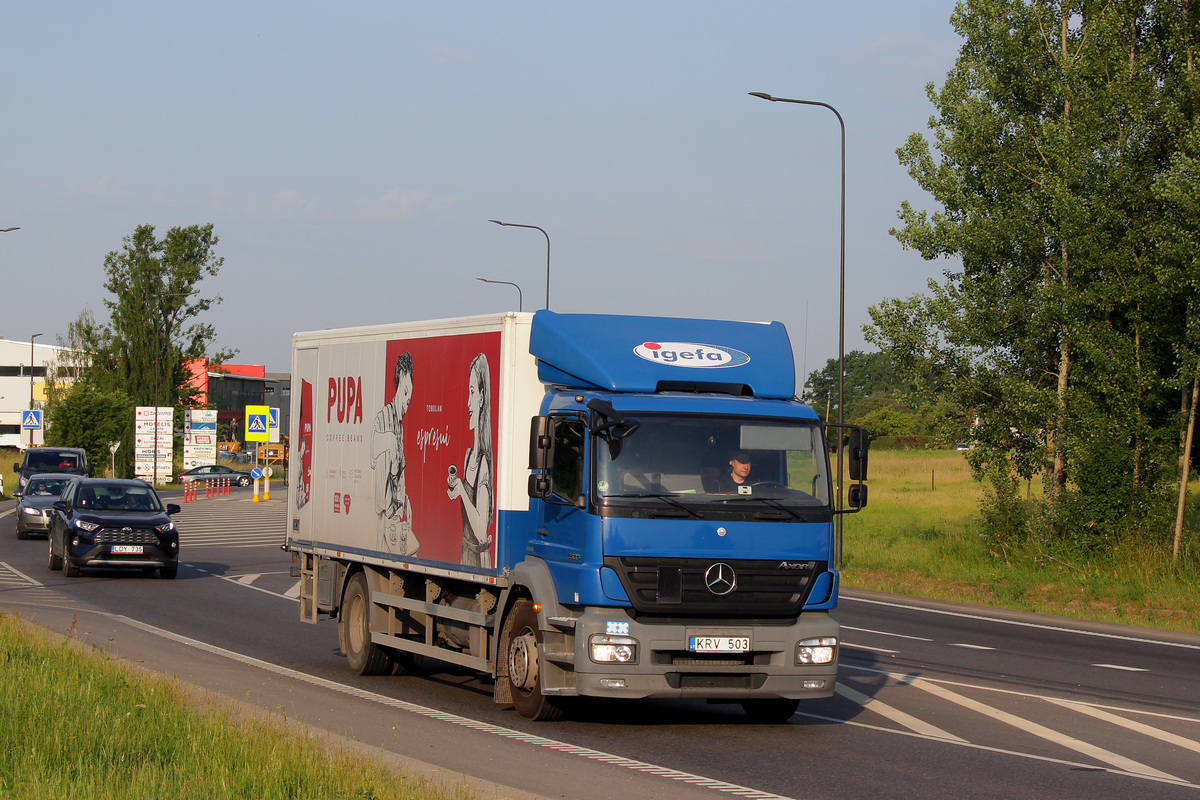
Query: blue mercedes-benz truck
(576,505)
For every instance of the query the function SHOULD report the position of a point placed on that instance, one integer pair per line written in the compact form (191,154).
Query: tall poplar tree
(1058,332)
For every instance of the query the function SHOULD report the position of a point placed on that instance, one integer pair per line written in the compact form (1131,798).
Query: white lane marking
(1041,731)
(858,646)
(465,722)
(1129,724)
(1020,623)
(1120,667)
(887,633)
(238,582)
(999,750)
(20,574)
(970,646)
(4,514)
(896,715)
(901,677)
(249,578)
(293,592)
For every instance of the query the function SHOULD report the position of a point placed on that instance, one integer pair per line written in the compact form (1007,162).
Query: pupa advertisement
(408,429)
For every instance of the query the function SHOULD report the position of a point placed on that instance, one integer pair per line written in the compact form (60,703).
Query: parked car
(101,522)
(214,471)
(36,503)
(68,460)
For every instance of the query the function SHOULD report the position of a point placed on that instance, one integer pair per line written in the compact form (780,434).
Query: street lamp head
(498,222)
(763,95)
(6,230)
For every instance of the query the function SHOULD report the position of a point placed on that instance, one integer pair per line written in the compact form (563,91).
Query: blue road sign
(31,420)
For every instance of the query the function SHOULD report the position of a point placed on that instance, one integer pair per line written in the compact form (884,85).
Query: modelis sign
(690,354)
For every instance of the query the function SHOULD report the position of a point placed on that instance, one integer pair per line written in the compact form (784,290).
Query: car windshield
(45,487)
(722,463)
(52,462)
(106,497)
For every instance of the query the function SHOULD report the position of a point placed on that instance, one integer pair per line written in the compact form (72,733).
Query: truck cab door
(562,525)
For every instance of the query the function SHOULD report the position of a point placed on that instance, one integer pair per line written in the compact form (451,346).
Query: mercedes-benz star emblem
(720,579)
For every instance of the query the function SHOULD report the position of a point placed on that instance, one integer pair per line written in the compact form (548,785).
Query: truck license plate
(126,549)
(719,644)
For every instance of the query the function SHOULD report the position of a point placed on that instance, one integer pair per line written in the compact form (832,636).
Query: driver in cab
(737,476)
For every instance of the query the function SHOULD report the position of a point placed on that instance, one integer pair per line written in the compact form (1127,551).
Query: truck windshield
(702,465)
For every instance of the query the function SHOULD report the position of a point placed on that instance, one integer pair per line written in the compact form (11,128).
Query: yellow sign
(257,427)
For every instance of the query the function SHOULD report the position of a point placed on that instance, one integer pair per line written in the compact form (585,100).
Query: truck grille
(126,536)
(680,587)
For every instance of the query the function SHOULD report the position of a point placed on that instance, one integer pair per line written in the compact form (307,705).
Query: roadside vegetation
(78,724)
(924,534)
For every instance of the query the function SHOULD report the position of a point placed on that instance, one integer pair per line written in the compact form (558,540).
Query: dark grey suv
(68,460)
(100,522)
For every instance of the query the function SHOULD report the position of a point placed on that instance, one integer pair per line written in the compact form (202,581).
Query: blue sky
(350,155)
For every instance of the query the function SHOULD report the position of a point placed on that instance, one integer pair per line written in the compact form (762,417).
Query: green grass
(920,535)
(76,723)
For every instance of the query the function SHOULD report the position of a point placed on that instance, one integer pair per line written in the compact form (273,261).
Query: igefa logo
(691,354)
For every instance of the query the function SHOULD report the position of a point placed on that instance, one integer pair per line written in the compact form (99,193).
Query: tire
(770,712)
(69,569)
(22,533)
(243,481)
(354,631)
(169,571)
(523,639)
(53,562)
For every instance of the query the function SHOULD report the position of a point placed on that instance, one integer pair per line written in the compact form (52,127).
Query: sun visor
(649,354)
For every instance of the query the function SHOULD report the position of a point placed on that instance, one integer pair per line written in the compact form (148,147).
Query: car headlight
(170,526)
(613,649)
(816,651)
(86,526)
(33,512)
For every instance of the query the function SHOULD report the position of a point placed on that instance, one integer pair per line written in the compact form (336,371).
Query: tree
(1058,332)
(152,325)
(867,374)
(89,417)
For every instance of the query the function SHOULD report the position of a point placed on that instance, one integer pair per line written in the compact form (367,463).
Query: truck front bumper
(666,667)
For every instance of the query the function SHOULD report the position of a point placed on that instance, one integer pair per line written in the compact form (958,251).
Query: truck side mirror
(859,444)
(856,495)
(539,444)
(539,486)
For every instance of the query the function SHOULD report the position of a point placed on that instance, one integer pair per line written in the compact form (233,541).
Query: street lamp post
(841,308)
(520,296)
(535,227)
(31,338)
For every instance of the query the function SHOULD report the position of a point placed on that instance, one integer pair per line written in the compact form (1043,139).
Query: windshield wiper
(666,497)
(773,503)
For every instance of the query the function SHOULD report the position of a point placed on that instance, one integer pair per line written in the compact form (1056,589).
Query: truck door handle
(543,532)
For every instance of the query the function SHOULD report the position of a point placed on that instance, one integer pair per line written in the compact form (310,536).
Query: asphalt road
(934,700)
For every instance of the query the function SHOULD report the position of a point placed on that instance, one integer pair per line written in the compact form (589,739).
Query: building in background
(232,387)
(16,381)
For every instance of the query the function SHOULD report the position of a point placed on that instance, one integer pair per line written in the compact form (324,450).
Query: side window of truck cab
(567,466)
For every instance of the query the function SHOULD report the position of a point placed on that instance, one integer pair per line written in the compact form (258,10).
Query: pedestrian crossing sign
(31,420)
(257,428)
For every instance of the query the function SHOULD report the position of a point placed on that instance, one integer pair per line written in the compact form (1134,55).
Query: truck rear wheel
(770,712)
(354,631)
(524,664)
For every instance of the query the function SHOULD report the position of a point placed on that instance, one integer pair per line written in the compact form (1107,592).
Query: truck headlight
(816,651)
(613,649)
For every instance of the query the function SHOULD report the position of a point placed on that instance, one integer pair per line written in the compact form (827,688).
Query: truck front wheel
(524,664)
(354,631)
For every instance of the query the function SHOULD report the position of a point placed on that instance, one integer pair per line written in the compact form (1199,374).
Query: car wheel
(69,569)
(53,562)
(243,481)
(169,571)
(21,532)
